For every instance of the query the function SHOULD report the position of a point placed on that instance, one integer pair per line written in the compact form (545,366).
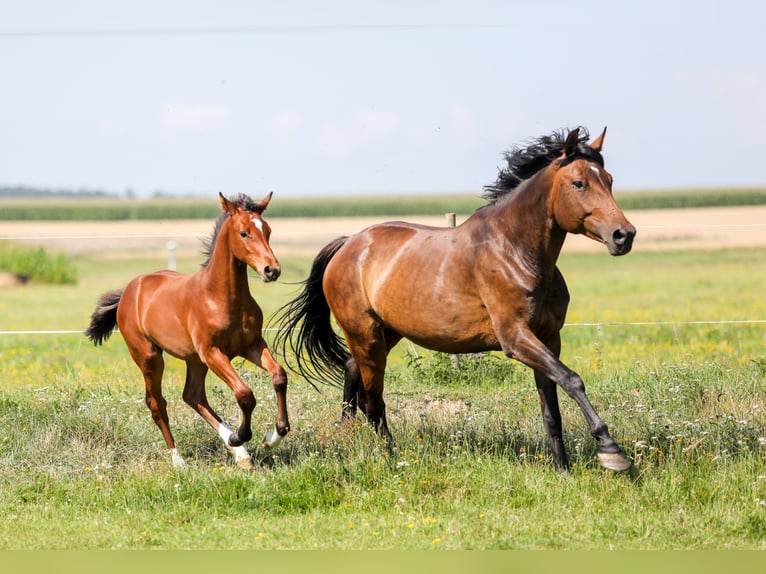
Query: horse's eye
(243,234)
(579,185)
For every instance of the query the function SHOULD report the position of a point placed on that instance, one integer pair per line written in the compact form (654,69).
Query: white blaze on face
(258,224)
(598,175)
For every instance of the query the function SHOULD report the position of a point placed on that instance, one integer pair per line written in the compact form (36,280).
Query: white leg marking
(224,431)
(273,438)
(178,460)
(241,456)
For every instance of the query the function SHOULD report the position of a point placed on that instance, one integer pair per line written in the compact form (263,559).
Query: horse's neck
(530,227)
(224,277)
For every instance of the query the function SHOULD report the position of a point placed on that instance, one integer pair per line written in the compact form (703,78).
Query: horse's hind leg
(196,397)
(371,362)
(353,392)
(149,359)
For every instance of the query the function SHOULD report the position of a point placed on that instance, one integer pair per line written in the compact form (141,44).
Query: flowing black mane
(242,201)
(524,162)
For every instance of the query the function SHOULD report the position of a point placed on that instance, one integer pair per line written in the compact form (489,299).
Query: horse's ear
(598,143)
(264,202)
(227,205)
(571,143)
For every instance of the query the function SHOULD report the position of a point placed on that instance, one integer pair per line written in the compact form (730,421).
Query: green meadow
(669,344)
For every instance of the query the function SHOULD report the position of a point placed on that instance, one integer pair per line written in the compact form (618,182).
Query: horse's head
(249,237)
(582,197)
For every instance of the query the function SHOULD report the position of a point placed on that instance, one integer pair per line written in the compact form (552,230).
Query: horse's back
(406,278)
(154,288)
(154,307)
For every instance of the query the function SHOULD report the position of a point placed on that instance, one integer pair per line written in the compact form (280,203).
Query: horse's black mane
(242,201)
(524,162)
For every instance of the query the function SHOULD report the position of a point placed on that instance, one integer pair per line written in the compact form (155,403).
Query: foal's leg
(260,355)
(149,359)
(196,397)
(528,349)
(220,364)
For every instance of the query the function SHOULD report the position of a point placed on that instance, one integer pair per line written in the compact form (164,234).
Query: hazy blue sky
(330,97)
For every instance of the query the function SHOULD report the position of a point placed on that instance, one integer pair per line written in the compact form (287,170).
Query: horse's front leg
(525,347)
(195,396)
(549,405)
(261,356)
(220,364)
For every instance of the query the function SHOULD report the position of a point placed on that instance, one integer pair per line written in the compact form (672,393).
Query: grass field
(83,466)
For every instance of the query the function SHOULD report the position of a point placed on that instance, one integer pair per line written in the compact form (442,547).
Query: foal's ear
(571,143)
(261,207)
(227,205)
(598,143)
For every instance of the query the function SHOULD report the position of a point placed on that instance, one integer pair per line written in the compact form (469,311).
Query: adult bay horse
(489,284)
(205,319)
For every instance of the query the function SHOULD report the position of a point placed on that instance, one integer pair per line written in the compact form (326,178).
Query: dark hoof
(236,440)
(614,461)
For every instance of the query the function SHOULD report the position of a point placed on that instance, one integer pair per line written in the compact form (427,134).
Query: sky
(413,97)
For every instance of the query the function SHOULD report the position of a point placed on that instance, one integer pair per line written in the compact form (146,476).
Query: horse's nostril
(621,235)
(271,273)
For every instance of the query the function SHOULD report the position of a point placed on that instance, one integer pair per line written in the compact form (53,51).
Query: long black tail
(305,329)
(104,318)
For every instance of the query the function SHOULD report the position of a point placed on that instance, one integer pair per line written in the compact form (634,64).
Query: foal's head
(249,234)
(582,200)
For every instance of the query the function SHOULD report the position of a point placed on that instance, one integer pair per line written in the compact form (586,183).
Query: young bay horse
(489,284)
(205,319)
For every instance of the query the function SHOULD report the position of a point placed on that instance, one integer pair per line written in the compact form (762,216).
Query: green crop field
(114,209)
(664,341)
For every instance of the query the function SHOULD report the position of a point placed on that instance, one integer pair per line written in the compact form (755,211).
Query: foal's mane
(524,162)
(242,201)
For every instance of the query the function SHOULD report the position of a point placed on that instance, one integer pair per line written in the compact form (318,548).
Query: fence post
(171,246)
(452,222)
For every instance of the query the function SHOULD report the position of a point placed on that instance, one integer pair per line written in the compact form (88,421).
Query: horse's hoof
(242,458)
(245,463)
(614,461)
(178,461)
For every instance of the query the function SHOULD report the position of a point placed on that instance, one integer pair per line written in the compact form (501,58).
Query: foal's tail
(104,318)
(304,327)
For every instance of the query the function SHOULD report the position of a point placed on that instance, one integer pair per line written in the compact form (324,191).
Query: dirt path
(704,228)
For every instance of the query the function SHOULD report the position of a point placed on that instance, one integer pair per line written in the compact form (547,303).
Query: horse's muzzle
(622,240)
(271,273)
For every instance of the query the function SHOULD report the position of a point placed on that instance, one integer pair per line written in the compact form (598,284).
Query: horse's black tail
(104,318)
(305,329)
